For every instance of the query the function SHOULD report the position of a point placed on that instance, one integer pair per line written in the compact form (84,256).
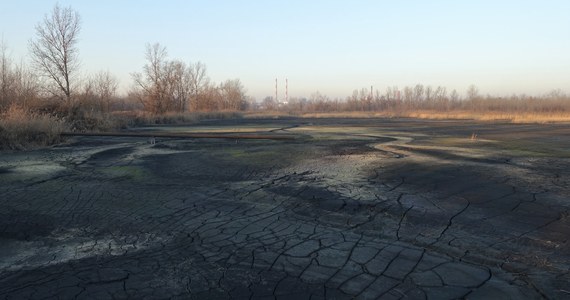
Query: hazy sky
(334,47)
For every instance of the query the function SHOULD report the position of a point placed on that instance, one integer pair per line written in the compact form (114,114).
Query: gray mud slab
(366,209)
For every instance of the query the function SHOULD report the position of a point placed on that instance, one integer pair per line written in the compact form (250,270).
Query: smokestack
(286,90)
(276,99)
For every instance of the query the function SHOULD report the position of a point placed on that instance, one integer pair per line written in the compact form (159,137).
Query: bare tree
(27,87)
(198,80)
(233,95)
(428,92)
(151,81)
(472,92)
(269,103)
(6,75)
(54,51)
(178,83)
(105,87)
(17,83)
(441,101)
(170,85)
(409,96)
(418,92)
(454,96)
(389,93)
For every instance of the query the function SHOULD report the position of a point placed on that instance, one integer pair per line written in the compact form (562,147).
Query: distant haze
(333,47)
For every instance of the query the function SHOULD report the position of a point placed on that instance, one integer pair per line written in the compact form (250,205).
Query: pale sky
(334,47)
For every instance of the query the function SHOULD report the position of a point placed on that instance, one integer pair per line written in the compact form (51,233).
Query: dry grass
(81,115)
(270,114)
(22,129)
(140,118)
(351,114)
(541,118)
(82,119)
(513,117)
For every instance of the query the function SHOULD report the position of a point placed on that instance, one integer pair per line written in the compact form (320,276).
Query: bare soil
(346,208)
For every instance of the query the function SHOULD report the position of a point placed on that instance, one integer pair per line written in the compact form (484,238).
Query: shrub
(23,129)
(83,118)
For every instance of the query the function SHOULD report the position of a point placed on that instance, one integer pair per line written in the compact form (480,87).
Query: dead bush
(23,129)
(140,118)
(82,118)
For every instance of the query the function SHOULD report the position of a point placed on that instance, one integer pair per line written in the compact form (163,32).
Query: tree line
(420,97)
(54,74)
(170,85)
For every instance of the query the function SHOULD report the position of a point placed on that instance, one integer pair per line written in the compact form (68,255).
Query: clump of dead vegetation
(125,119)
(41,125)
(21,128)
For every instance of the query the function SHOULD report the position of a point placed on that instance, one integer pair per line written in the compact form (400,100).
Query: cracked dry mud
(363,209)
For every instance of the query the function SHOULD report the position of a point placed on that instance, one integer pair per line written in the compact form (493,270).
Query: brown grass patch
(23,129)
(270,114)
(512,117)
(140,118)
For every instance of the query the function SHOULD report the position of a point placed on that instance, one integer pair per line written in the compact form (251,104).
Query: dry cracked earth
(348,208)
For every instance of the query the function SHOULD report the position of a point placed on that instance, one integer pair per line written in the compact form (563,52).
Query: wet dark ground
(350,208)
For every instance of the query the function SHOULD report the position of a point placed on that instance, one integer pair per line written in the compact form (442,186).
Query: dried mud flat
(349,208)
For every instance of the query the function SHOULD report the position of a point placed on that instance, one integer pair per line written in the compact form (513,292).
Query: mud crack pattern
(366,212)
